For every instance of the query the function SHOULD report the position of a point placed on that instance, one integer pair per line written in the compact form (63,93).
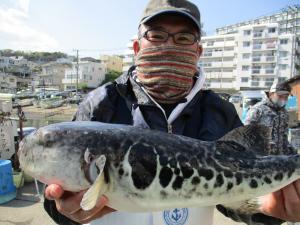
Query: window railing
(270,58)
(257,34)
(255,71)
(256,59)
(257,46)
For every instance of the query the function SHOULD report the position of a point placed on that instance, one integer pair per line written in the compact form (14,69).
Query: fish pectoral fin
(246,207)
(92,195)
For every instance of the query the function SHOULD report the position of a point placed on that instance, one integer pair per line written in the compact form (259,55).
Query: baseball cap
(181,7)
(280,88)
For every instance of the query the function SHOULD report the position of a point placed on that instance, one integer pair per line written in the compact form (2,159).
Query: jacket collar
(138,95)
(269,103)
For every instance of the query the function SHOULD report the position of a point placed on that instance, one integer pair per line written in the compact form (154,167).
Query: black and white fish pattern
(145,170)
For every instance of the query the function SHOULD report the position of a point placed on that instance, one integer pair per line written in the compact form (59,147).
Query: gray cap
(280,88)
(183,7)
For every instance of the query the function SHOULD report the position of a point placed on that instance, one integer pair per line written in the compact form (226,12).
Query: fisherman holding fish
(163,91)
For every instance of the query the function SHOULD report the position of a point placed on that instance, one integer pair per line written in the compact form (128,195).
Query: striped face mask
(167,72)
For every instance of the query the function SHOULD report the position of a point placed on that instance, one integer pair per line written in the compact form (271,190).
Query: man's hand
(68,204)
(284,204)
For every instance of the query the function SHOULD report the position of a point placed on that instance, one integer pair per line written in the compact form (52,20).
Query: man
(272,113)
(163,91)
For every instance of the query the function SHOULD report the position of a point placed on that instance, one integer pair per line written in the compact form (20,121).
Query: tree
(111,75)
(83,86)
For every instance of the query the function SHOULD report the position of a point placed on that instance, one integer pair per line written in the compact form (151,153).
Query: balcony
(257,35)
(214,75)
(264,47)
(257,47)
(269,71)
(255,71)
(256,59)
(268,83)
(255,83)
(270,58)
(70,81)
(223,64)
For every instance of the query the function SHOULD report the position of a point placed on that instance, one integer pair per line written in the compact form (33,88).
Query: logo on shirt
(176,216)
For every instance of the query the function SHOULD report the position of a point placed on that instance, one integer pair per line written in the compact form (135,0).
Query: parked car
(235,99)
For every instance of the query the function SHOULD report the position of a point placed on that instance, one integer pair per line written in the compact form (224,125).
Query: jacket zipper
(169,125)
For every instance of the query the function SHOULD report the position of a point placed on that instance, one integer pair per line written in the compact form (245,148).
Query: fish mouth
(25,149)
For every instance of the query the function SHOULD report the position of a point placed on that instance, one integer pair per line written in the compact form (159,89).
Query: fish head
(51,155)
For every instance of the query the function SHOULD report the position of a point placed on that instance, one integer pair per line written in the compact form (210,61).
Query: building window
(283,54)
(281,79)
(284,41)
(247,32)
(272,30)
(206,64)
(244,79)
(229,39)
(269,82)
(246,44)
(282,66)
(246,55)
(210,43)
(258,33)
(207,53)
(245,68)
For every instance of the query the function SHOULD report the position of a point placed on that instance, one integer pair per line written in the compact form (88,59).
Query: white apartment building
(128,59)
(219,61)
(253,54)
(91,74)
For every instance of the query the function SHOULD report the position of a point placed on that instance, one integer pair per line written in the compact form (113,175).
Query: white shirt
(178,216)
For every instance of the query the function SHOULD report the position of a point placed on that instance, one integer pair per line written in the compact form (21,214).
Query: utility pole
(77,68)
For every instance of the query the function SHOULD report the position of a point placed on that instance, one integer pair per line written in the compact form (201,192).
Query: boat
(25,102)
(49,103)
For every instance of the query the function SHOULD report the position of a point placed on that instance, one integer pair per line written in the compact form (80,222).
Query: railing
(270,58)
(257,46)
(257,34)
(255,71)
(256,59)
(269,71)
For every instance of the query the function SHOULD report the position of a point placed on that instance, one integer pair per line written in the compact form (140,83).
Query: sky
(104,27)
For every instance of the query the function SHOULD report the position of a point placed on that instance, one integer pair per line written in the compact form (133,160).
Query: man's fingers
(53,192)
(70,204)
(291,200)
(297,185)
(79,215)
(105,210)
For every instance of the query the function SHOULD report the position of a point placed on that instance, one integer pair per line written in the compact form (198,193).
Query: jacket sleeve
(253,115)
(290,149)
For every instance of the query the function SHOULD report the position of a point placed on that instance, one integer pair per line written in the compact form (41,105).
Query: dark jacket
(277,118)
(206,117)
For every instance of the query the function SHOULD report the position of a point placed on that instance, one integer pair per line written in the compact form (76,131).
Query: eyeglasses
(181,38)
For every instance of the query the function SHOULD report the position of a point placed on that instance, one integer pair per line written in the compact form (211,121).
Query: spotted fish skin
(149,170)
